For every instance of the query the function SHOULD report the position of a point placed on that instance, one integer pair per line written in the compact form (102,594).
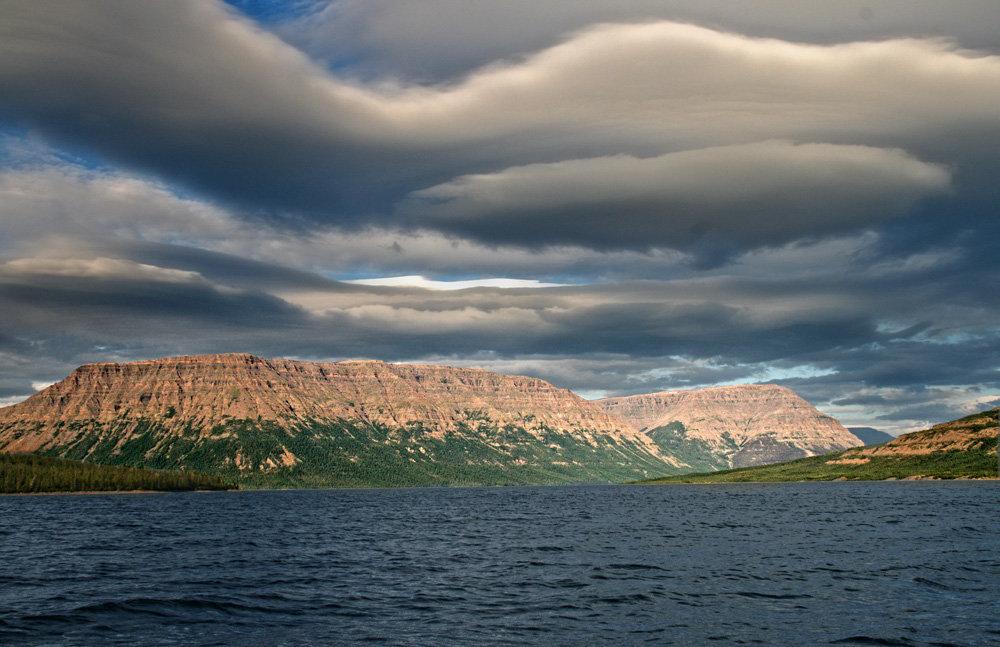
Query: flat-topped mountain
(283,422)
(732,426)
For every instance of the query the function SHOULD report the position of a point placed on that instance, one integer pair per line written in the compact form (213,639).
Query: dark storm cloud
(747,196)
(113,295)
(206,99)
(744,321)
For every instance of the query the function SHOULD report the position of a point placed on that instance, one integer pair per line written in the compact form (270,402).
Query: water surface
(734,564)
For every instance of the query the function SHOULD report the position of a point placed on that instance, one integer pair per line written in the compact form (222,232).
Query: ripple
(789,564)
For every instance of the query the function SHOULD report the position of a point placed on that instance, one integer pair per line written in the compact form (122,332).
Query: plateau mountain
(732,426)
(283,423)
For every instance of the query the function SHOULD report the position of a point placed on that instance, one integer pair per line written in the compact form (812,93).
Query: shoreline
(107,492)
(286,489)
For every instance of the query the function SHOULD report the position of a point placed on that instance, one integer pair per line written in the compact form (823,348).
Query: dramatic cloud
(439,39)
(231,111)
(617,197)
(748,196)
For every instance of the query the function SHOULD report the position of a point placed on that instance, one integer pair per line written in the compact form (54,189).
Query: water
(743,564)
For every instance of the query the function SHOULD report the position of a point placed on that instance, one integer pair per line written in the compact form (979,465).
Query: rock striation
(732,426)
(285,422)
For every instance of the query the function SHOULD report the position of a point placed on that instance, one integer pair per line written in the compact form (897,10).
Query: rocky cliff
(732,426)
(284,422)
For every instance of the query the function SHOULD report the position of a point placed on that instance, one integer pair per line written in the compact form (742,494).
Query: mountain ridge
(287,422)
(733,426)
(870,436)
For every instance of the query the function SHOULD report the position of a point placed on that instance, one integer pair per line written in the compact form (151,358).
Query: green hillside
(346,453)
(30,473)
(965,448)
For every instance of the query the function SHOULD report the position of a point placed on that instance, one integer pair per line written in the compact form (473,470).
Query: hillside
(30,473)
(732,426)
(965,448)
(870,436)
(274,423)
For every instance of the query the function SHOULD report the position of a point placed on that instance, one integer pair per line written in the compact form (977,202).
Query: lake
(905,563)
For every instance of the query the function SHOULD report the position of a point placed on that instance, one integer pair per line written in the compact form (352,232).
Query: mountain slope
(870,436)
(965,448)
(287,423)
(732,426)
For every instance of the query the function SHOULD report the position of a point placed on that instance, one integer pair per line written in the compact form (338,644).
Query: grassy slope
(977,460)
(673,440)
(345,453)
(30,473)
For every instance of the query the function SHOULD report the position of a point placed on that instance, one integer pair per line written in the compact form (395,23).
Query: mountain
(965,448)
(284,423)
(870,436)
(732,426)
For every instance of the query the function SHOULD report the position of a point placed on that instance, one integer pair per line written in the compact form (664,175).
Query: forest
(30,473)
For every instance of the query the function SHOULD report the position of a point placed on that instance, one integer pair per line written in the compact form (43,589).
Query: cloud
(39,199)
(437,40)
(429,284)
(204,98)
(824,334)
(94,268)
(747,195)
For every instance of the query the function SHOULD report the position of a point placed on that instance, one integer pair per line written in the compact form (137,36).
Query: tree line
(27,473)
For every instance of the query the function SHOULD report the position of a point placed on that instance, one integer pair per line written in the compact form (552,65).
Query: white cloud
(440,39)
(65,198)
(94,268)
(14,399)
(417,281)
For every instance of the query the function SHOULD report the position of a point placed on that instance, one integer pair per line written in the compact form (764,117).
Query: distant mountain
(965,448)
(283,423)
(732,426)
(870,436)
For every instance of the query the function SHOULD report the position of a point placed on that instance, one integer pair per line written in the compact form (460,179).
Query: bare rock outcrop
(377,417)
(739,426)
(208,388)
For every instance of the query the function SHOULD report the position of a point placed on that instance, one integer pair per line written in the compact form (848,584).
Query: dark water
(783,564)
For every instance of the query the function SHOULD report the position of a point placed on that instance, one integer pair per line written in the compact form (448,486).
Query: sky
(617,197)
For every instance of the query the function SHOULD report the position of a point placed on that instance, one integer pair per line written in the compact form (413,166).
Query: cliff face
(733,426)
(364,417)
